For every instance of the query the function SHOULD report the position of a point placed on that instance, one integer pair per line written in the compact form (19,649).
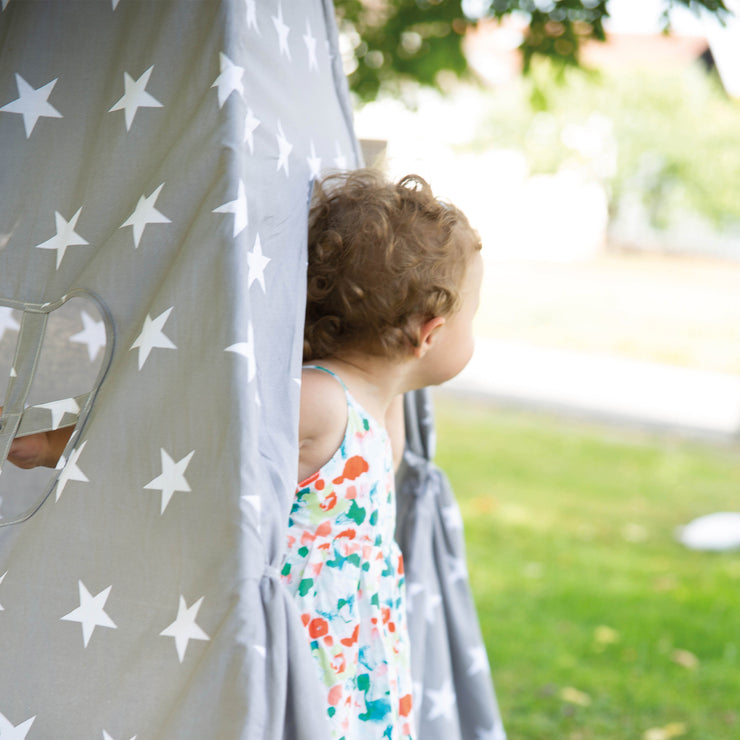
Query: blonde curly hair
(383,258)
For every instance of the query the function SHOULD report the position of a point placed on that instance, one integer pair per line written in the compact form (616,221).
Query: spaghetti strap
(330,372)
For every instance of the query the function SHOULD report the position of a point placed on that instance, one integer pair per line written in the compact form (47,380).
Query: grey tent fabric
(453,690)
(155,165)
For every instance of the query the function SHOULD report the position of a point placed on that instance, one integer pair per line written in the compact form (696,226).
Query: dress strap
(330,372)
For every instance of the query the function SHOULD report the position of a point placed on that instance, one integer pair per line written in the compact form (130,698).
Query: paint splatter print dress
(345,571)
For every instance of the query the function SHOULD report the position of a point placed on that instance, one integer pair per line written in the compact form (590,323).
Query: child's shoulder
(323,420)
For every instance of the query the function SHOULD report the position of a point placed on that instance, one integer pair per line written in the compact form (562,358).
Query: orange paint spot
(305,618)
(328,641)
(386,612)
(323,529)
(335,695)
(318,627)
(329,502)
(324,546)
(353,469)
(350,533)
(320,484)
(351,493)
(349,641)
(309,480)
(404,705)
(400,566)
(391,627)
(307,538)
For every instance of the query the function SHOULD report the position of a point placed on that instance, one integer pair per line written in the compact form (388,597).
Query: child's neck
(373,381)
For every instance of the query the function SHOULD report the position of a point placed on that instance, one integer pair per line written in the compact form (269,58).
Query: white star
(496,732)
(32,104)
(310,40)
(135,97)
(8,731)
(145,213)
(261,650)
(282,31)
(255,503)
(340,161)
(59,409)
(452,517)
(285,148)
(92,334)
(90,613)
(1,580)
(5,4)
(478,660)
(152,336)
(432,603)
(115,4)
(252,15)
(230,79)
(238,207)
(314,163)
(443,701)
(70,470)
(250,124)
(106,736)
(7,322)
(66,236)
(458,569)
(172,478)
(184,628)
(257,263)
(246,349)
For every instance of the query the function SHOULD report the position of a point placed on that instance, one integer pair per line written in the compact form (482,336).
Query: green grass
(570,530)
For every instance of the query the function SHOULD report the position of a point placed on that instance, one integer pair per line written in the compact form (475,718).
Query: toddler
(394,279)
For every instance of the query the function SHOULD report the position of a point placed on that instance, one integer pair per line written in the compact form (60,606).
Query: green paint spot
(356,513)
(303,552)
(363,682)
(374,517)
(286,570)
(305,586)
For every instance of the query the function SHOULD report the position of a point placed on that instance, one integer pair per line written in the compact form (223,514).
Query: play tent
(156,159)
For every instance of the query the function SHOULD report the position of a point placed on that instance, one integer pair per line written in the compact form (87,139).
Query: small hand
(39,450)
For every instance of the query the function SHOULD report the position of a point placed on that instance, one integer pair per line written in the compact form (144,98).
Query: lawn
(598,624)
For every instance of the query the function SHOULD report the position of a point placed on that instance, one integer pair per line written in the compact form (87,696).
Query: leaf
(685,658)
(574,696)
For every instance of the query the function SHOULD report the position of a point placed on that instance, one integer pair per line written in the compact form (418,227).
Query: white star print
(478,660)
(145,213)
(59,409)
(7,322)
(1,606)
(282,31)
(458,569)
(252,15)
(340,161)
(230,79)
(443,701)
(310,41)
(184,628)
(172,478)
(152,336)
(135,97)
(5,4)
(9,731)
(493,733)
(66,236)
(238,207)
(92,334)
(257,263)
(432,604)
(452,517)
(106,736)
(284,149)
(32,104)
(70,470)
(90,613)
(250,125)
(314,163)
(115,4)
(260,650)
(246,349)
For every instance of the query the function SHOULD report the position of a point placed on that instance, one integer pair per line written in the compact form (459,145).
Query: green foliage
(667,138)
(580,584)
(394,41)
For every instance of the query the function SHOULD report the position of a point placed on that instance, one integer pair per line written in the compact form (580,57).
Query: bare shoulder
(323,420)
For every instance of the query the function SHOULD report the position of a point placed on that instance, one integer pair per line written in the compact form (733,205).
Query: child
(394,280)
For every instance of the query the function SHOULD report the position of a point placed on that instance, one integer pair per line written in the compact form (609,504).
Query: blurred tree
(396,40)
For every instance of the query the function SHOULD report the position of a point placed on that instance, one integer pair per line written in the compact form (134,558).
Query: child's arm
(323,421)
(396,428)
(39,450)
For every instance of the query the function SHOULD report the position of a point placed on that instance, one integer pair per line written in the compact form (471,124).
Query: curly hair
(383,258)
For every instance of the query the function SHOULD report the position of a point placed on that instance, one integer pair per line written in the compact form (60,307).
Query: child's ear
(427,334)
